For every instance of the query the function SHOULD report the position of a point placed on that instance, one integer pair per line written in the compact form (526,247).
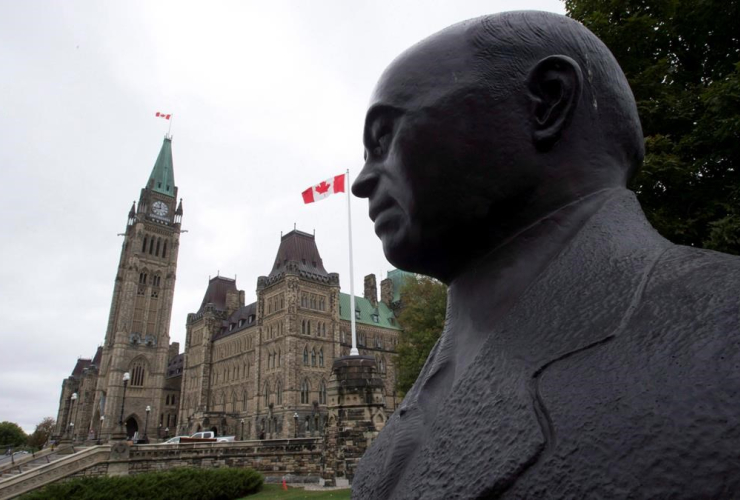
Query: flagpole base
(354,352)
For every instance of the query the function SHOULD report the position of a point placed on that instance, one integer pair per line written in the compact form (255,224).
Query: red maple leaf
(323,187)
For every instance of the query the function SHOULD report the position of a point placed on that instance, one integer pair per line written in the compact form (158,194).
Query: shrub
(176,484)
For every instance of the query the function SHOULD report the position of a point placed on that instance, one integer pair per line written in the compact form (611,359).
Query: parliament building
(256,371)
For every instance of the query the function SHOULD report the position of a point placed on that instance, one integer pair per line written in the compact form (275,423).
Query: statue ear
(554,87)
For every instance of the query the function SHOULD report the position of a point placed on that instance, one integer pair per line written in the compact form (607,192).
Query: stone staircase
(38,470)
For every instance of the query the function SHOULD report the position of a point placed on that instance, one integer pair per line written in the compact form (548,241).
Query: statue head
(480,130)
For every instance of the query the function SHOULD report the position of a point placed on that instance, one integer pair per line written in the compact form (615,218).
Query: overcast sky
(268,98)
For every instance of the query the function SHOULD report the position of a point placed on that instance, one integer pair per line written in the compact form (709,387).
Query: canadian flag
(324,189)
(163,115)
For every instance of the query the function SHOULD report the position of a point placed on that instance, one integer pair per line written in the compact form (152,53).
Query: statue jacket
(632,388)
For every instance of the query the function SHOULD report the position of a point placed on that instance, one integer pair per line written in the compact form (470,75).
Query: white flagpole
(353,351)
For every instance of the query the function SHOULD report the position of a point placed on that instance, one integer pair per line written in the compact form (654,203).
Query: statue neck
(486,289)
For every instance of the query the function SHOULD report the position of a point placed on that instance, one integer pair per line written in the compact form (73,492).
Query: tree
(682,59)
(422,317)
(11,434)
(41,435)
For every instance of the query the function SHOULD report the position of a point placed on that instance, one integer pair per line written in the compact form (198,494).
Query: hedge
(175,484)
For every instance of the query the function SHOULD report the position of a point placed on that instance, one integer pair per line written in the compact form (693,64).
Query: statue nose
(365,183)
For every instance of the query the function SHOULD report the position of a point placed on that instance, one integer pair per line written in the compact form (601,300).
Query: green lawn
(274,491)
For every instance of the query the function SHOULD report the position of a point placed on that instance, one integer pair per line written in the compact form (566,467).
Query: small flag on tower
(163,115)
(324,189)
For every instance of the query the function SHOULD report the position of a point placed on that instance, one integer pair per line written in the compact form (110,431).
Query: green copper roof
(386,318)
(162,179)
(398,278)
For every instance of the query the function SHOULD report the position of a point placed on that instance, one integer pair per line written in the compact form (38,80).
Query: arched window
(143,246)
(267,394)
(151,246)
(304,392)
(156,251)
(322,393)
(137,374)
(313,357)
(305,355)
(323,327)
(308,327)
(303,326)
(244,401)
(321,357)
(279,361)
(164,249)
(279,392)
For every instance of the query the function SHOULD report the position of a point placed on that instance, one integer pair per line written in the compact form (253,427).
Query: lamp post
(295,419)
(126,378)
(146,425)
(74,417)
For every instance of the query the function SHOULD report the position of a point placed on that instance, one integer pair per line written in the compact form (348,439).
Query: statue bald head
(482,128)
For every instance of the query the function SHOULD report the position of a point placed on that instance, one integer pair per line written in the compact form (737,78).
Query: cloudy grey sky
(268,98)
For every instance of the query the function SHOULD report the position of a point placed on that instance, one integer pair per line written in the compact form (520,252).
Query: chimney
(386,291)
(232,301)
(371,289)
(173,350)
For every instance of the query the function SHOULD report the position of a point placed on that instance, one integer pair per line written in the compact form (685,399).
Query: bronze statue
(583,356)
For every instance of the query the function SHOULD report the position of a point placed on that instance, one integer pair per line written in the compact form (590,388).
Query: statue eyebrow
(376,113)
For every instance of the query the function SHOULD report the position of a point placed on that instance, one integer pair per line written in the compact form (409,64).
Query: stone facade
(261,371)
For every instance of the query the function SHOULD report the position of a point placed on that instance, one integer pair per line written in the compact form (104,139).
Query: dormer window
(241,322)
(231,326)
(376,318)
(357,314)
(251,318)
(391,321)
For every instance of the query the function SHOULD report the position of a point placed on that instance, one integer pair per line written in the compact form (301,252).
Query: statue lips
(380,212)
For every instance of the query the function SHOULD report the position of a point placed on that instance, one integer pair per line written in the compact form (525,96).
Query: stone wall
(276,458)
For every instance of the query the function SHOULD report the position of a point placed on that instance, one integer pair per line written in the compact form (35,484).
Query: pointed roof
(216,293)
(299,247)
(162,179)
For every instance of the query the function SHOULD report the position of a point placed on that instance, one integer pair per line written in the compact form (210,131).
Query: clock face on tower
(159,208)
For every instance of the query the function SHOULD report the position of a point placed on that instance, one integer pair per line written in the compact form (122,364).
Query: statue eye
(382,143)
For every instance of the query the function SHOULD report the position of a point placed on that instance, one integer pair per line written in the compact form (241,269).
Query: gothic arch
(138,369)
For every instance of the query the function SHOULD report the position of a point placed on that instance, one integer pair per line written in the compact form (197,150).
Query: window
(357,314)
(308,328)
(321,357)
(241,322)
(279,362)
(303,326)
(244,401)
(143,246)
(304,392)
(279,392)
(375,318)
(313,357)
(142,278)
(322,393)
(164,249)
(305,356)
(267,394)
(137,375)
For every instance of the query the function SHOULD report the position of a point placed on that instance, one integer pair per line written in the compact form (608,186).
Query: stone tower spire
(137,337)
